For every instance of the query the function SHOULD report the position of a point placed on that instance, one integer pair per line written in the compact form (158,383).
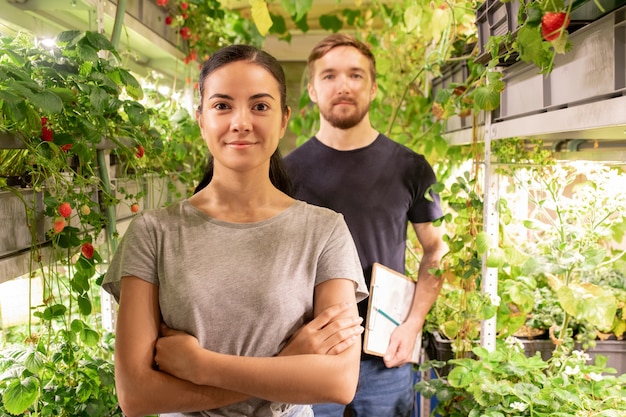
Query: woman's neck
(243,202)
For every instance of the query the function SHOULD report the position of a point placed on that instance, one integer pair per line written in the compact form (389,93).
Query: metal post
(490,222)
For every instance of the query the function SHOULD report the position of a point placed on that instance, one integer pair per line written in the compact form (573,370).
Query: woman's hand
(330,333)
(175,351)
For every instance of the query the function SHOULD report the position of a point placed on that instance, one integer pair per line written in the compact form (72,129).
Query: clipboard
(391,296)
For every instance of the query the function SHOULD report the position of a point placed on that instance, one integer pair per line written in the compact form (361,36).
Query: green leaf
(443,95)
(15,111)
(136,113)
(534,14)
(351,16)
(77,325)
(98,98)
(65,94)
(531,46)
(514,256)
(68,238)
(589,302)
(56,310)
(450,329)
(533,224)
(85,68)
(48,102)
(84,305)
(279,26)
(133,88)
(86,266)
(486,98)
(33,360)
(297,8)
(63,139)
(302,24)
(20,395)
(460,377)
(331,23)
(412,17)
(87,52)
(91,133)
(495,258)
(89,337)
(99,41)
(80,282)
(482,242)
(70,37)
(16,58)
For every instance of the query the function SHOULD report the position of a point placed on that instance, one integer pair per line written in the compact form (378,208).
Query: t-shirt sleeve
(339,259)
(135,256)
(425,209)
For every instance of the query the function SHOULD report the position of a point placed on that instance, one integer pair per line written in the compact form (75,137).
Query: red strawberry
(139,151)
(162,3)
(185,32)
(184,6)
(66,147)
(46,133)
(168,20)
(87,250)
(552,23)
(65,210)
(59,224)
(134,207)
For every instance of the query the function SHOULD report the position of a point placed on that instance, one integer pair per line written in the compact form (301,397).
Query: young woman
(238,269)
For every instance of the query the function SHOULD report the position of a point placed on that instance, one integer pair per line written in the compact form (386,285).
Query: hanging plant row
(61,107)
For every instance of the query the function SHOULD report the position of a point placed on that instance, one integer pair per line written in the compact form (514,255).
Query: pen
(387,316)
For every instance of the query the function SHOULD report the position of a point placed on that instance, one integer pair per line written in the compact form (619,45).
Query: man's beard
(344,121)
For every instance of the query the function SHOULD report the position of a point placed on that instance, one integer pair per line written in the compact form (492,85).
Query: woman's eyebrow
(261,95)
(252,97)
(223,96)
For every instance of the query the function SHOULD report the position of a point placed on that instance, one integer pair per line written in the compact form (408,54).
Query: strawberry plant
(59,105)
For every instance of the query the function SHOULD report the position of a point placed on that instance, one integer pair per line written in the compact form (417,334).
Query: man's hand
(401,345)
(330,333)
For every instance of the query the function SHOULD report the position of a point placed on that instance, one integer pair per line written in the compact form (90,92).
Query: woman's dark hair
(234,53)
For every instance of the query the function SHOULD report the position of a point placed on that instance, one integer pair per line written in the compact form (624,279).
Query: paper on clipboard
(391,296)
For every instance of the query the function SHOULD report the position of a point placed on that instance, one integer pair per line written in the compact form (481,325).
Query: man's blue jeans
(382,392)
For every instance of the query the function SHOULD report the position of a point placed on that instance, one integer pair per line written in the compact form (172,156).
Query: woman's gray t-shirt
(240,288)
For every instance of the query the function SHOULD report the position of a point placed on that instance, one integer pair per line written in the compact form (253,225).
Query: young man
(379,186)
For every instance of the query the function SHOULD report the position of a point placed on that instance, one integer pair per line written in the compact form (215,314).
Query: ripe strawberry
(87,250)
(59,224)
(185,32)
(65,210)
(139,151)
(134,207)
(552,23)
(46,132)
(169,20)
